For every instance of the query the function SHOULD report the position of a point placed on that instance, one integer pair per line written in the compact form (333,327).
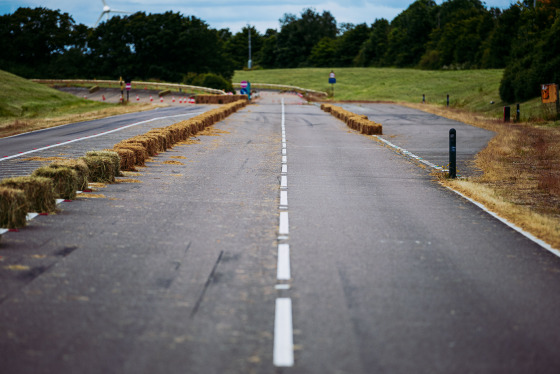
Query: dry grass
(172,162)
(19,126)
(128,180)
(13,208)
(65,180)
(44,159)
(91,196)
(520,177)
(39,192)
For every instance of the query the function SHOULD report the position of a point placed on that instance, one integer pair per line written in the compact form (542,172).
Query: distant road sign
(128,86)
(243,84)
(332,75)
(332,78)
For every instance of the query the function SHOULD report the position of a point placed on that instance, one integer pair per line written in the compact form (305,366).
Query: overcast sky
(232,14)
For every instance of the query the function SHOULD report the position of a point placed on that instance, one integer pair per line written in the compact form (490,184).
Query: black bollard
(447,99)
(423,98)
(452,154)
(517,114)
(506,113)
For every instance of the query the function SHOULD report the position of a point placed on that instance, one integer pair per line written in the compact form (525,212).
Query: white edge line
(92,136)
(529,236)
(283,334)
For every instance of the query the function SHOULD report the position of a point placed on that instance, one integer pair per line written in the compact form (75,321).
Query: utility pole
(250,63)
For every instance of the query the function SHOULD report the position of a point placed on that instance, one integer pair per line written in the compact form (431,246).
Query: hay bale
(39,192)
(101,168)
(128,159)
(65,180)
(81,168)
(114,156)
(13,208)
(140,153)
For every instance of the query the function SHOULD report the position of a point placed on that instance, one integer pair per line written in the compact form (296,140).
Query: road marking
(283,270)
(284,181)
(284,159)
(283,333)
(284,169)
(91,136)
(528,235)
(284,198)
(282,287)
(284,228)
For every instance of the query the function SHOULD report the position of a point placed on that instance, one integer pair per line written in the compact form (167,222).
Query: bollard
(517,114)
(506,113)
(452,154)
(448,100)
(423,98)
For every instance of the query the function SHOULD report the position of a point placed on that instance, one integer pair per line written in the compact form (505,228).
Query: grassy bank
(27,106)
(473,90)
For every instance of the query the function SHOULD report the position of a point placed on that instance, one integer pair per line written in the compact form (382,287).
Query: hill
(472,90)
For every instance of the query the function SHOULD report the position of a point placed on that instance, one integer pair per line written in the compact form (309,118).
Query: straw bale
(150,144)
(114,156)
(79,166)
(101,168)
(128,159)
(140,153)
(13,208)
(65,180)
(39,192)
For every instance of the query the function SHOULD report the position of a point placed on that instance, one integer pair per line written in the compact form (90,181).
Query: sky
(232,14)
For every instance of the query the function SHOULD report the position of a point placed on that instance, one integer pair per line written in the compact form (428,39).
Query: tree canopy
(458,34)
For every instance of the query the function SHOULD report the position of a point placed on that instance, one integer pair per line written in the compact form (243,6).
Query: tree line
(458,34)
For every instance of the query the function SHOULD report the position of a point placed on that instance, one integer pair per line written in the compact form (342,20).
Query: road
(381,270)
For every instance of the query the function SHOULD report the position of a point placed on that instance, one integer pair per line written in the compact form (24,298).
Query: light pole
(250,63)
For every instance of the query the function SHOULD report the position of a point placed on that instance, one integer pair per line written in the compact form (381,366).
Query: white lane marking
(59,201)
(283,268)
(529,236)
(284,159)
(283,333)
(284,181)
(282,287)
(283,151)
(91,136)
(284,169)
(284,227)
(283,198)
(3,231)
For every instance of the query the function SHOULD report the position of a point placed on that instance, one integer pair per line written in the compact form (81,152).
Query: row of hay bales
(357,122)
(60,179)
(136,150)
(219,99)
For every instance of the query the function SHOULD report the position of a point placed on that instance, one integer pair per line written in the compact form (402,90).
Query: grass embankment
(472,90)
(27,106)
(521,164)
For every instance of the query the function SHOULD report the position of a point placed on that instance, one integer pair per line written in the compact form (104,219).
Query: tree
(348,45)
(374,48)
(297,37)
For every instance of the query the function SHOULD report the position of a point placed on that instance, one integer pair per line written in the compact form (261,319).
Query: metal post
(517,114)
(423,98)
(506,113)
(448,100)
(452,153)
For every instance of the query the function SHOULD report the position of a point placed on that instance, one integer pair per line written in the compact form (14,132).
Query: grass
(472,90)
(27,106)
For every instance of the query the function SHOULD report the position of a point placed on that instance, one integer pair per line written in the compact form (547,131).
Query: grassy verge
(27,106)
(472,90)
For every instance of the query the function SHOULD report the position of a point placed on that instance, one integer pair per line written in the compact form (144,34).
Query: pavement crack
(207,284)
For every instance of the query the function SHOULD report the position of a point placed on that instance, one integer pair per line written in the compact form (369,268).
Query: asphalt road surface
(285,243)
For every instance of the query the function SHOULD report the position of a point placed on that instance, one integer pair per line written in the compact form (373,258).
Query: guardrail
(154,85)
(269,86)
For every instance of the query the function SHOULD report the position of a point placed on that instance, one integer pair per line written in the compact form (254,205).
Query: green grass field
(23,99)
(472,90)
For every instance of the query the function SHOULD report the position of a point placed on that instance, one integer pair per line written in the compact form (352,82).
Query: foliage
(458,34)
